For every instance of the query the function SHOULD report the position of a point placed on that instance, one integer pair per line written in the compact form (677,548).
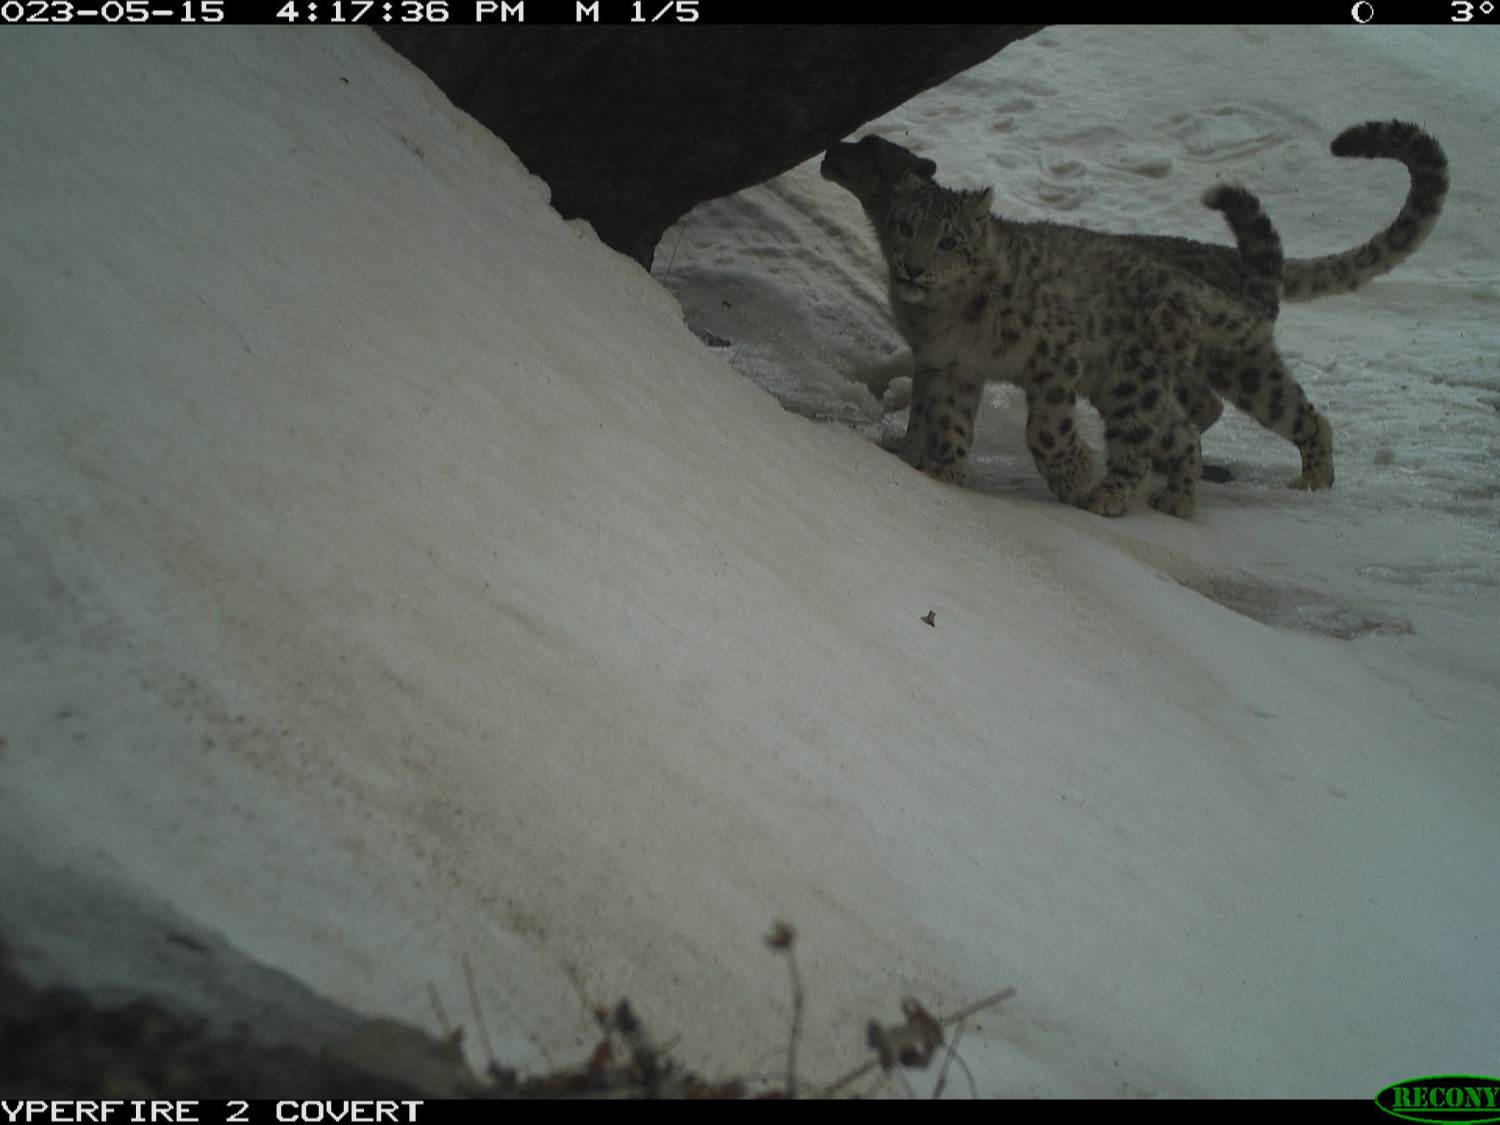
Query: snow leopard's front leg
(910,445)
(1142,414)
(1052,435)
(944,402)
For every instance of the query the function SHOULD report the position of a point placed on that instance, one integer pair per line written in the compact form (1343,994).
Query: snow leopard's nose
(911,271)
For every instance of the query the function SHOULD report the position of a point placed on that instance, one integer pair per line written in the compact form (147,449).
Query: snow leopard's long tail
(1307,278)
(1259,244)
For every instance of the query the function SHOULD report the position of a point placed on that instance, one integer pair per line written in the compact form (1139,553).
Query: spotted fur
(1064,312)
(1428,168)
(872,168)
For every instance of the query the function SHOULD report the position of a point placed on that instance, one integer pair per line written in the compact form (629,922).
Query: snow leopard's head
(871,169)
(937,242)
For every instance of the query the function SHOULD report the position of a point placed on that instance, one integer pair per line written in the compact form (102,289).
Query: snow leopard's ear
(910,184)
(978,202)
(924,168)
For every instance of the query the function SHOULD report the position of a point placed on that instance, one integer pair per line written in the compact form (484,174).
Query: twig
(650,1066)
(963,1013)
(782,937)
(954,1056)
(598,1011)
(905,1084)
(484,1032)
(969,1074)
(977,1007)
(668,274)
(937,1089)
(437,1006)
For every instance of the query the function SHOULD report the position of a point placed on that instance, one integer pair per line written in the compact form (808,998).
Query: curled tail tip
(1259,244)
(1233,201)
(1369,137)
(1224,197)
(1398,140)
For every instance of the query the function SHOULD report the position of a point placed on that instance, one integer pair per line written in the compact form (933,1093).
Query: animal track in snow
(1221,133)
(1140,160)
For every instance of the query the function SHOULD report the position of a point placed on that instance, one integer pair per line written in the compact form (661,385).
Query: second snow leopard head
(938,243)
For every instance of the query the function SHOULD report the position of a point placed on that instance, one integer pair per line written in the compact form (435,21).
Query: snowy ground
(389,574)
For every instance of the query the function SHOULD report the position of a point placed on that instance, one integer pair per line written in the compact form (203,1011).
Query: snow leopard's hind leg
(1257,381)
(1180,456)
(1200,405)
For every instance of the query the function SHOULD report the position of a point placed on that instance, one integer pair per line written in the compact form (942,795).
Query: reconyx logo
(1461,1098)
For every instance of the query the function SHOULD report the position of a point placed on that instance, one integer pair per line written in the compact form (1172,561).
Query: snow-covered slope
(390,574)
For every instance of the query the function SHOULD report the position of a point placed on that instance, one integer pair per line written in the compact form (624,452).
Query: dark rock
(634,126)
(55,1043)
(1218,474)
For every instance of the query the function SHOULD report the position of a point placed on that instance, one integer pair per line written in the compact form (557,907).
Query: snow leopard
(872,168)
(1062,312)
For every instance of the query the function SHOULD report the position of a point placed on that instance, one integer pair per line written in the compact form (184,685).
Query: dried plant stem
(667,275)
(484,1032)
(791,1048)
(963,1013)
(948,1057)
(437,1006)
(782,938)
(978,1006)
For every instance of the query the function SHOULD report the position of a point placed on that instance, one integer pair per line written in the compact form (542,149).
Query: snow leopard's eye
(949,243)
(903,229)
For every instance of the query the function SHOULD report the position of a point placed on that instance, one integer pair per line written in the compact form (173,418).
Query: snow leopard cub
(872,168)
(1062,312)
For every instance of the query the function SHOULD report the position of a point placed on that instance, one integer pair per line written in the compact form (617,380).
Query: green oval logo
(1442,1098)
